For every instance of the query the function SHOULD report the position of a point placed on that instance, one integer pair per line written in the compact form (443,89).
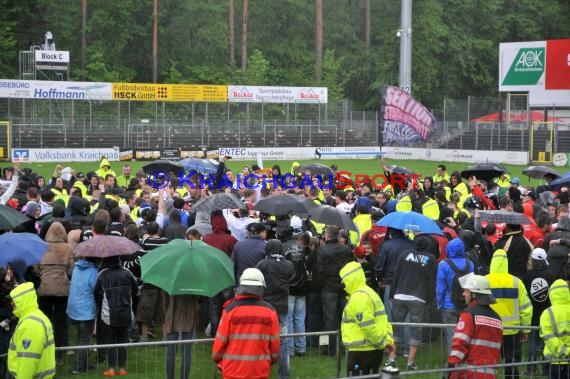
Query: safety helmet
(475,283)
(252,277)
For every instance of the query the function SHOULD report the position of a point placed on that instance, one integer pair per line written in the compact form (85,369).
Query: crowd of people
(293,274)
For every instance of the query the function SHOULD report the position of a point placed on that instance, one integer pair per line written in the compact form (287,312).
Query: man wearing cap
(514,191)
(514,307)
(479,332)
(555,330)
(537,282)
(247,341)
(249,252)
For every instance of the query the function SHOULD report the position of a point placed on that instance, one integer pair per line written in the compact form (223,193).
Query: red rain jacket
(476,342)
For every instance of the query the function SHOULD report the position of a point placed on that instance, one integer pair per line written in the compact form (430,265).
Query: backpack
(474,256)
(456,290)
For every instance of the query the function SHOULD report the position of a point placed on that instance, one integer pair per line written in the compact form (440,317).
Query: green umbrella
(183,267)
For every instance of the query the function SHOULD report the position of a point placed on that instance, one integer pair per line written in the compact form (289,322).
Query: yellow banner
(170,92)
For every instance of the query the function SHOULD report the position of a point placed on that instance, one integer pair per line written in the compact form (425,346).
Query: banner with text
(403,119)
(64,155)
(169,92)
(262,94)
(44,89)
(301,153)
(448,155)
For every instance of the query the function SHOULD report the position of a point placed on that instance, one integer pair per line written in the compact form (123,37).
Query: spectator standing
(387,260)
(81,307)
(150,309)
(555,330)
(332,256)
(478,333)
(455,250)
(514,307)
(115,290)
(249,252)
(278,272)
(517,248)
(180,320)
(365,329)
(233,355)
(32,348)
(221,239)
(411,297)
(294,251)
(537,282)
(55,272)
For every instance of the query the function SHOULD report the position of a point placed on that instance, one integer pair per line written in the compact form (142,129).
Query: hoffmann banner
(403,119)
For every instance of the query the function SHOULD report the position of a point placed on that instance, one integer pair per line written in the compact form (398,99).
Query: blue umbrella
(27,247)
(199,165)
(564,181)
(413,221)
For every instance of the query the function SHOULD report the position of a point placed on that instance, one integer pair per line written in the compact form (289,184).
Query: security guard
(32,347)
(514,307)
(365,329)
(555,330)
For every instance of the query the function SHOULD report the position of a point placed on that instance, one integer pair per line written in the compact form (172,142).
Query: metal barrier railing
(148,359)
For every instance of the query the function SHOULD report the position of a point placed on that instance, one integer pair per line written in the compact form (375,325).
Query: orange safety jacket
(247,341)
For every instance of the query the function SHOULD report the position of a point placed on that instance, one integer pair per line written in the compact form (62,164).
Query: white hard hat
(252,277)
(475,283)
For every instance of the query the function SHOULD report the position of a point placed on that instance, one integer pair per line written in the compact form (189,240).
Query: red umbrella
(516,117)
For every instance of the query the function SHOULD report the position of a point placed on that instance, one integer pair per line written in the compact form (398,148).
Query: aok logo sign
(527,67)
(530,60)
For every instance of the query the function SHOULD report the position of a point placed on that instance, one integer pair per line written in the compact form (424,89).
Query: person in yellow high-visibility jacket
(555,330)
(365,329)
(430,209)
(32,348)
(441,174)
(362,220)
(513,305)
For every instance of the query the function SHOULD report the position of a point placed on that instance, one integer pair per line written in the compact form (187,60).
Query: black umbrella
(279,205)
(332,216)
(317,169)
(217,202)
(10,217)
(162,166)
(539,172)
(401,170)
(484,171)
(506,217)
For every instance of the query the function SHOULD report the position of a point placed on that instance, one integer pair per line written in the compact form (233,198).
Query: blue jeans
(448,316)
(171,354)
(296,323)
(387,303)
(417,312)
(284,369)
